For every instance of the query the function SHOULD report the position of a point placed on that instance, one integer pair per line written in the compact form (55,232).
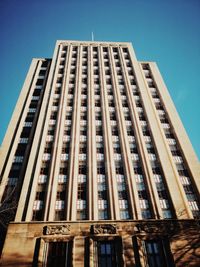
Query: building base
(91,243)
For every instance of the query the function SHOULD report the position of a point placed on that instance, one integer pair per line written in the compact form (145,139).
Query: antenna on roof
(92,36)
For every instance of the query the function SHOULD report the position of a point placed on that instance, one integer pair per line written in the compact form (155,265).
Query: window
(101,186)
(39,81)
(98,116)
(116,147)
(144,204)
(146,214)
(100,168)
(59,204)
(102,204)
(123,204)
(82,168)
(12,181)
(155,255)
(58,254)
(103,214)
(37,205)
(124,104)
(83,130)
(23,140)
(81,194)
(193,205)
(81,204)
(99,131)
(42,179)
(28,124)
(124,215)
(62,178)
(37,215)
(121,186)
(119,167)
(48,147)
(99,147)
(83,115)
(108,254)
(82,148)
(81,215)
(18,159)
(97,103)
(166,214)
(112,116)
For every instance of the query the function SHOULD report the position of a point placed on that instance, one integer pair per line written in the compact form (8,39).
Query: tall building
(96,167)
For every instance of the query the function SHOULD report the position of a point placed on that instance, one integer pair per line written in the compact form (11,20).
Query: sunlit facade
(97,166)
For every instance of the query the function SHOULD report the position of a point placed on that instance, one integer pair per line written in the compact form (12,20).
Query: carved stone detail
(103,229)
(154,228)
(56,229)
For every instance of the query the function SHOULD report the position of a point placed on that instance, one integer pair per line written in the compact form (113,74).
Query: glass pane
(102,262)
(155,247)
(108,249)
(155,255)
(58,254)
(106,254)
(158,261)
(110,262)
(149,248)
(151,262)
(103,249)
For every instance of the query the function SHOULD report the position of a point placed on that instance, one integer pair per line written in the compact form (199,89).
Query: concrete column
(126,155)
(91,139)
(110,168)
(56,160)
(74,150)
(148,175)
(34,164)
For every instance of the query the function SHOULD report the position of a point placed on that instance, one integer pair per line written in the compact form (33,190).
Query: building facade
(96,167)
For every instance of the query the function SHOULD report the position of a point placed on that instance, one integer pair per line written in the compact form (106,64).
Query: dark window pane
(59,254)
(107,255)
(155,253)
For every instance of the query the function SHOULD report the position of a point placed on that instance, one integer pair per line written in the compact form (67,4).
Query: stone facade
(25,243)
(96,165)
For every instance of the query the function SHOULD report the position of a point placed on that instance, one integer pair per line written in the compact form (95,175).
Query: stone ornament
(57,229)
(154,228)
(103,229)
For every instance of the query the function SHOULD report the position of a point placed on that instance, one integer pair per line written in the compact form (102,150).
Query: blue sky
(167,32)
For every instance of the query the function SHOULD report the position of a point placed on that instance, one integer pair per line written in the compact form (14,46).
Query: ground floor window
(58,254)
(155,253)
(108,253)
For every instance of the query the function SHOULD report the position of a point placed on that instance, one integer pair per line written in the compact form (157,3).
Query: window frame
(117,249)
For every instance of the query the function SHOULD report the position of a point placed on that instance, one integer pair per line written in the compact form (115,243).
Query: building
(98,165)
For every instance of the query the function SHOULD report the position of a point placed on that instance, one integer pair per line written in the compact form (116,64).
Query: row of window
(162,194)
(41,189)
(15,172)
(102,184)
(141,186)
(173,144)
(108,253)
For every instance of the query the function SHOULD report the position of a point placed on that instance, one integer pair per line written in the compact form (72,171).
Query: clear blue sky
(167,32)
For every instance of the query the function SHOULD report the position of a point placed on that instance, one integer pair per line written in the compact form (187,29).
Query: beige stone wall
(25,241)
(177,197)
